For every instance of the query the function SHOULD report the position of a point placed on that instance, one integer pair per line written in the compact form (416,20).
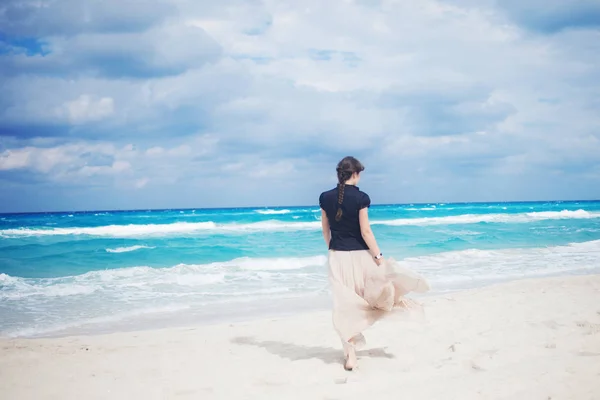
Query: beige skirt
(363,292)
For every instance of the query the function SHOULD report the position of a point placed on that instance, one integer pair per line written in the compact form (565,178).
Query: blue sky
(187,103)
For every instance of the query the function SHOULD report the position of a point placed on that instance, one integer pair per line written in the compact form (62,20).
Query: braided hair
(345,169)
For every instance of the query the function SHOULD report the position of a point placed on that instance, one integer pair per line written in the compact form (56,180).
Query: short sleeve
(321,200)
(365,201)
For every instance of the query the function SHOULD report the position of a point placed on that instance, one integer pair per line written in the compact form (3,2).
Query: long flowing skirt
(364,292)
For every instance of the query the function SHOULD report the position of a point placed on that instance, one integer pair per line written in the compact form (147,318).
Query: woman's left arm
(326,227)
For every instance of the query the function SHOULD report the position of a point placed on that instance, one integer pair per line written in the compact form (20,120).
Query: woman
(364,286)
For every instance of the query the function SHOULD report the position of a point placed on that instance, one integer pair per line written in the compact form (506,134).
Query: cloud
(552,16)
(140,183)
(182,104)
(68,17)
(66,158)
(85,109)
(450,100)
(126,165)
(162,50)
(156,150)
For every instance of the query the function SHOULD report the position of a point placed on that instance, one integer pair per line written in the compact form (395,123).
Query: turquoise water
(63,271)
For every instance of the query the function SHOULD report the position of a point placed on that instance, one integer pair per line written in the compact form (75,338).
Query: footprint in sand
(590,328)
(483,360)
(480,361)
(551,324)
(476,366)
(453,347)
(588,354)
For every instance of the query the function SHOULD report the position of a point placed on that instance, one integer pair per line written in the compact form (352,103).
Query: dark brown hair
(345,168)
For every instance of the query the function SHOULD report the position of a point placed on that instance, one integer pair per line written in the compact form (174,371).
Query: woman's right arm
(367,233)
(326,228)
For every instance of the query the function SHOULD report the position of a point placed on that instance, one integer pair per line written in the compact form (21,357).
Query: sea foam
(34,306)
(273,212)
(183,228)
(491,218)
(14,288)
(128,249)
(457,269)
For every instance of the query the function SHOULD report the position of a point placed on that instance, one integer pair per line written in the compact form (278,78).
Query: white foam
(128,249)
(272,212)
(137,230)
(459,232)
(276,264)
(14,288)
(29,290)
(491,218)
(147,278)
(116,230)
(268,226)
(454,266)
(476,265)
(40,306)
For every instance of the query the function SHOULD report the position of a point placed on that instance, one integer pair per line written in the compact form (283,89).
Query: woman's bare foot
(351,362)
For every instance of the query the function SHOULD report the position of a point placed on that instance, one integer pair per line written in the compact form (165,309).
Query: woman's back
(345,232)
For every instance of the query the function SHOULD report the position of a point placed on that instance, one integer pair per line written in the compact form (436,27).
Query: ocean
(92,272)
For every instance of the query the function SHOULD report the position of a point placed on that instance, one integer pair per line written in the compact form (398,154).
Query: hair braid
(345,169)
(341,187)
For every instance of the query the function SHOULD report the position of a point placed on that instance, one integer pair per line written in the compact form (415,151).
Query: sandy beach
(532,339)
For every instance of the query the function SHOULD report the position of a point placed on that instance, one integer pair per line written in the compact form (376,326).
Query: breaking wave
(182,228)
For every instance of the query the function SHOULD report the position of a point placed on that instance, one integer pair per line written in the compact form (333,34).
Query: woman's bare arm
(326,228)
(367,233)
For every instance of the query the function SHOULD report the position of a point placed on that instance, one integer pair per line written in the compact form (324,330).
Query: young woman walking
(364,288)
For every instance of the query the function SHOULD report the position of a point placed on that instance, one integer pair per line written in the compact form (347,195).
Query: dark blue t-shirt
(345,233)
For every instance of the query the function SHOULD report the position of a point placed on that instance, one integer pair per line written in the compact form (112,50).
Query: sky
(194,103)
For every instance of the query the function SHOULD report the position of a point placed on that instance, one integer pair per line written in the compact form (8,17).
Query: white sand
(536,339)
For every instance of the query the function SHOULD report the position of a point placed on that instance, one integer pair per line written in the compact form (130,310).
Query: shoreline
(255,310)
(533,338)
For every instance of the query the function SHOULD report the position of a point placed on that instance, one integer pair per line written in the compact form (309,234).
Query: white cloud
(14,159)
(140,183)
(182,150)
(263,170)
(156,150)
(49,18)
(85,109)
(47,160)
(88,171)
